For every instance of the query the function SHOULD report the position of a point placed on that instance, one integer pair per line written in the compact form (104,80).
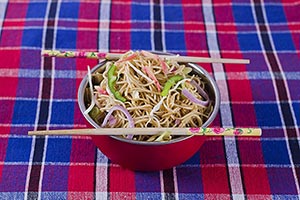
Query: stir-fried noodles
(143,90)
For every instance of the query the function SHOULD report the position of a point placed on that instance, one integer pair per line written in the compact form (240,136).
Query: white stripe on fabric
(275,88)
(175,183)
(163,27)
(151,5)
(103,46)
(50,101)
(226,117)
(101,176)
(104,28)
(3,5)
(161,178)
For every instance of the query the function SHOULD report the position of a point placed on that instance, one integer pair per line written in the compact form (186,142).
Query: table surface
(40,93)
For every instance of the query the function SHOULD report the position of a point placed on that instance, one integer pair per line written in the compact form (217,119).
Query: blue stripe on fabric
(28,87)
(189,180)
(141,40)
(275,152)
(260,93)
(62,113)
(24,112)
(18,150)
(66,39)
(275,13)
(147,182)
(140,12)
(243,14)
(283,41)
(58,149)
(278,179)
(267,114)
(172,13)
(69,10)
(249,42)
(174,40)
(32,37)
(65,89)
(36,9)
(30,59)
(13,179)
(57,182)
(296,107)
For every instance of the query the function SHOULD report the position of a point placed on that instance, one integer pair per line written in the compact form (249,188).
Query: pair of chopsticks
(154,131)
(116,56)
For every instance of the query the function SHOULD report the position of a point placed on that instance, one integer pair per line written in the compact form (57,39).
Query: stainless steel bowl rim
(195,67)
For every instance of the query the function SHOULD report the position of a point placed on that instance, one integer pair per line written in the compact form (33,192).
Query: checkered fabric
(40,93)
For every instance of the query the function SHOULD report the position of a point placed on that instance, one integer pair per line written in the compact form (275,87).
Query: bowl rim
(196,67)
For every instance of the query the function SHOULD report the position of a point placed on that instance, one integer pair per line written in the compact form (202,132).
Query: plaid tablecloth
(41,93)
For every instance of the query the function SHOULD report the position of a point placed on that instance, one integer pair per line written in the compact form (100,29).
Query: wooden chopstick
(116,56)
(154,131)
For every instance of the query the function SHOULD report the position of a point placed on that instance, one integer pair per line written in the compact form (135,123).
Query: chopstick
(154,131)
(116,56)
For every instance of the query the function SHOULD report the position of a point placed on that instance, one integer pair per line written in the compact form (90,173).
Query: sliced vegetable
(170,83)
(100,90)
(164,66)
(194,99)
(112,82)
(200,90)
(152,76)
(129,58)
(157,107)
(123,110)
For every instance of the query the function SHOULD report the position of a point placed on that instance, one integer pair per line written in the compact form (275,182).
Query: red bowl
(150,156)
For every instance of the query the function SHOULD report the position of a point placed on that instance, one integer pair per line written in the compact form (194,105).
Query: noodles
(152,92)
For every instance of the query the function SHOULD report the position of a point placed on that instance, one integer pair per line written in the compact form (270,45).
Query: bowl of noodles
(142,89)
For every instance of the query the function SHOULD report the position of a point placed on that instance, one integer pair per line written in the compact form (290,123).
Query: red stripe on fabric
(120,25)
(215,180)
(86,24)
(10,88)
(293,17)
(13,37)
(13,55)
(88,10)
(121,180)
(81,178)
(120,40)
(16,10)
(82,151)
(1,169)
(240,90)
(3,147)
(7,24)
(86,40)
(7,110)
(256,180)
(244,115)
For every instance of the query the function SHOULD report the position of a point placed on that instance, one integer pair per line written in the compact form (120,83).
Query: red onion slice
(126,113)
(194,99)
